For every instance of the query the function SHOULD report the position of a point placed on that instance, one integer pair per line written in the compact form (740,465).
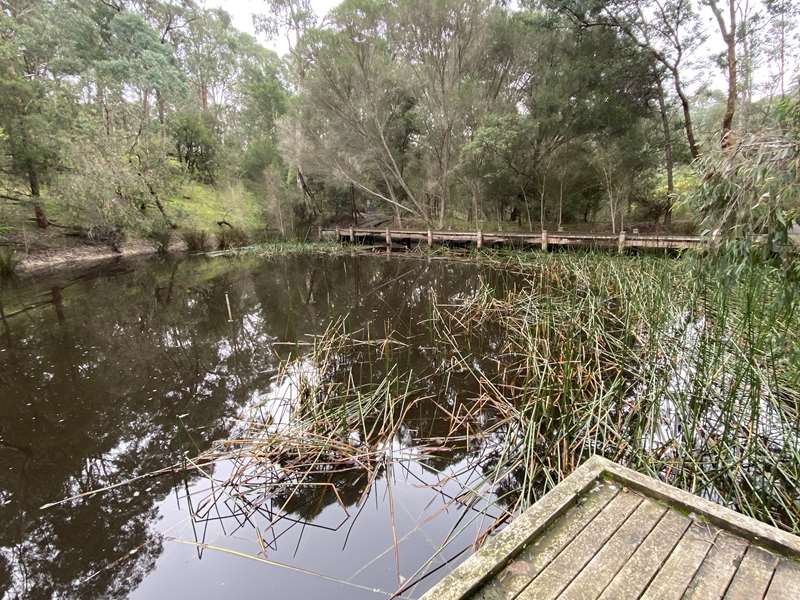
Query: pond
(352,426)
(122,370)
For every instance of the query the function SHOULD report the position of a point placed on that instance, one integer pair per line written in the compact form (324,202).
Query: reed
(663,366)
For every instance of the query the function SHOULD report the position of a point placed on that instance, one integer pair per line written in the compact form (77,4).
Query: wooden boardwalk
(399,238)
(608,532)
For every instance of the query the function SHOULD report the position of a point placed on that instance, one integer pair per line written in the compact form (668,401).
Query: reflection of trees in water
(96,371)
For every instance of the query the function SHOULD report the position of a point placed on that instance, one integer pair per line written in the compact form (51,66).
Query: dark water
(117,372)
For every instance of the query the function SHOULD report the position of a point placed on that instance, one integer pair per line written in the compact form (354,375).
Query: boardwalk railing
(621,241)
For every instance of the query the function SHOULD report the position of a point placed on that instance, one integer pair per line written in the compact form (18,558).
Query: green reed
(663,365)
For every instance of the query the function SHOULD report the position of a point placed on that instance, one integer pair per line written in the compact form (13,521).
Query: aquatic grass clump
(651,363)
(661,365)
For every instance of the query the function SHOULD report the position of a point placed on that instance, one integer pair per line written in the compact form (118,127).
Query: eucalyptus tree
(573,89)
(208,49)
(669,30)
(353,118)
(783,40)
(443,45)
(37,103)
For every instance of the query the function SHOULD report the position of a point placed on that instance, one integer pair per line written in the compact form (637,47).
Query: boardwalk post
(480,239)
(319,233)
(388,241)
(544,240)
(352,237)
(715,239)
(338,238)
(621,242)
(430,239)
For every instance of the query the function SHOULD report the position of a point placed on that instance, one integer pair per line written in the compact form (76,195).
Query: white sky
(242,13)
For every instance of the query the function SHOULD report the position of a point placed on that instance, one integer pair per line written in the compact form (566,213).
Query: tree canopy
(441,113)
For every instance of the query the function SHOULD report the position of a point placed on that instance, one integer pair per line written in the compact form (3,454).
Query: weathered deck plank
(675,575)
(521,571)
(601,570)
(561,571)
(785,584)
(715,574)
(641,567)
(754,574)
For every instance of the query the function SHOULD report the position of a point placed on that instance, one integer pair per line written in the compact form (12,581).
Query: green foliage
(196,143)
(754,186)
(161,235)
(136,57)
(201,206)
(105,111)
(259,155)
(385,107)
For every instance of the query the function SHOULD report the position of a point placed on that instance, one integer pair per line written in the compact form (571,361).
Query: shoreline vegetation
(161,121)
(656,364)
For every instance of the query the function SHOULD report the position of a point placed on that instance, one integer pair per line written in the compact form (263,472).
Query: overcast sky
(242,12)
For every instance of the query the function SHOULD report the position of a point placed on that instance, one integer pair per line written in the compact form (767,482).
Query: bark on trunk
(204,96)
(687,116)
(728,32)
(145,105)
(668,159)
(475,206)
(38,209)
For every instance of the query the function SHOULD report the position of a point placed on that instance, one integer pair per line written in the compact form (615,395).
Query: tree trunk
(145,106)
(204,96)
(353,204)
(161,108)
(527,208)
(729,37)
(687,117)
(668,160)
(541,206)
(38,209)
(475,206)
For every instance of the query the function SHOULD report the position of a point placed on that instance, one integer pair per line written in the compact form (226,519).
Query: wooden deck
(399,238)
(609,532)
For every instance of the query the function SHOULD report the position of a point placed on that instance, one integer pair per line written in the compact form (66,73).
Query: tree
(196,143)
(669,30)
(36,106)
(783,18)
(355,113)
(443,44)
(728,32)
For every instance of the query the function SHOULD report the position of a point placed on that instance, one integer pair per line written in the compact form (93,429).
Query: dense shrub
(9,261)
(232,237)
(196,240)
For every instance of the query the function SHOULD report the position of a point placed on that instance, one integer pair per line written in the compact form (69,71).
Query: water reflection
(114,374)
